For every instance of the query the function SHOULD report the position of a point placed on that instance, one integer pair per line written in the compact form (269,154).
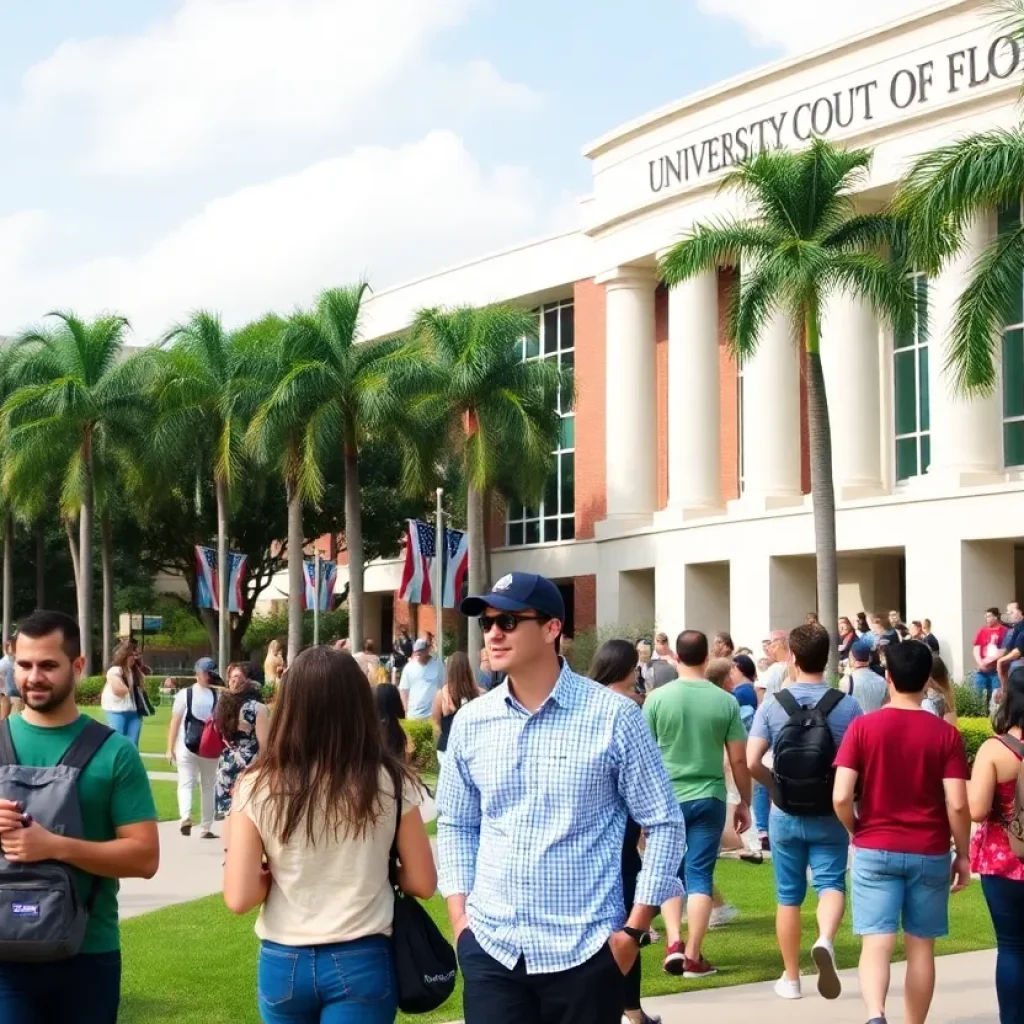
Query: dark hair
(390,712)
(613,662)
(862,621)
(119,659)
(994,611)
(692,648)
(368,646)
(917,622)
(1010,712)
(459,680)
(746,665)
(230,703)
(810,644)
(726,639)
(910,664)
(43,623)
(324,754)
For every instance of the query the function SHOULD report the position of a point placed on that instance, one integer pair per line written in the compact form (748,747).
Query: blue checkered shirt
(531,817)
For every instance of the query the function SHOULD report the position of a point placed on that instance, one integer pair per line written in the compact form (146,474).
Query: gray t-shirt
(660,672)
(421,682)
(869,688)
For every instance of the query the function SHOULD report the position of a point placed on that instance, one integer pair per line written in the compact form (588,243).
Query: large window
(910,377)
(1013,361)
(554,519)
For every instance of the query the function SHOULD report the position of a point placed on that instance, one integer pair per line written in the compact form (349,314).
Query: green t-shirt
(692,721)
(113,791)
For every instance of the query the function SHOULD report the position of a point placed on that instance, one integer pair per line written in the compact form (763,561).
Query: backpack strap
(7,752)
(86,745)
(828,703)
(1011,743)
(789,703)
(188,703)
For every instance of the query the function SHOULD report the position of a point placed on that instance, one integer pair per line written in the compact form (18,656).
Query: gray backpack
(42,917)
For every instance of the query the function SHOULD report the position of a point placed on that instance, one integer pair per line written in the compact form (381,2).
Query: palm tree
(203,384)
(803,242)
(496,414)
(74,385)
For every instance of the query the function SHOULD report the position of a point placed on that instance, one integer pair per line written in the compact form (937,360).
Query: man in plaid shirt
(540,776)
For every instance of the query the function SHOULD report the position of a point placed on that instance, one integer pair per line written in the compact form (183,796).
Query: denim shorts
(819,843)
(705,823)
(890,887)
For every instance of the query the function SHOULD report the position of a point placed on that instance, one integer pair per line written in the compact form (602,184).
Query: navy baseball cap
(861,650)
(519,592)
(207,665)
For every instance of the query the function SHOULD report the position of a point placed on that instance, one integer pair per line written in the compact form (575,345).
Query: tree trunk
(296,576)
(354,544)
(823,495)
(221,597)
(85,581)
(40,565)
(76,563)
(488,512)
(8,593)
(107,561)
(477,542)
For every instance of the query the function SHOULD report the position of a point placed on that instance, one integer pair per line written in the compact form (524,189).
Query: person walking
(368,660)
(311,832)
(540,777)
(192,708)
(459,689)
(901,833)
(804,727)
(421,678)
(614,666)
(995,781)
(120,698)
(273,664)
(988,647)
(862,683)
(118,823)
(10,699)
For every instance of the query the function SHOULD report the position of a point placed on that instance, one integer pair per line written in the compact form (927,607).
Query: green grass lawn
(165,793)
(196,964)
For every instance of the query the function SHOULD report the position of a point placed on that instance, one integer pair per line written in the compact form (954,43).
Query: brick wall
(661,389)
(591,497)
(585,602)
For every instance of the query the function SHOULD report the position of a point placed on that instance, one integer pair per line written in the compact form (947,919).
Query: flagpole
(441,549)
(316,597)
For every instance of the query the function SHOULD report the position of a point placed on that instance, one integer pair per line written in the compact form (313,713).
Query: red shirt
(901,758)
(990,635)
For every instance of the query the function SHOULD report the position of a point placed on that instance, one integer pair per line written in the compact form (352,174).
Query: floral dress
(241,751)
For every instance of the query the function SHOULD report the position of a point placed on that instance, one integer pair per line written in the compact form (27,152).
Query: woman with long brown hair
(459,688)
(311,831)
(122,700)
(939,697)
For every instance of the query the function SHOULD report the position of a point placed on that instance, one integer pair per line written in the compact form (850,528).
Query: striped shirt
(531,818)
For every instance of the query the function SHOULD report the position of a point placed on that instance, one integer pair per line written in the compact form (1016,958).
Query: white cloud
(220,75)
(386,214)
(801,25)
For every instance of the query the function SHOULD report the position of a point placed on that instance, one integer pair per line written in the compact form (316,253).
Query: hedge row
(91,688)
(424,758)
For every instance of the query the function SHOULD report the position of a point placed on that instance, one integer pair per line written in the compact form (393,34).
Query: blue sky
(239,154)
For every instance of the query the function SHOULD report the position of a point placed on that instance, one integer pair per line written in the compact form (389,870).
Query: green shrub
(424,758)
(974,732)
(264,628)
(586,642)
(969,703)
(90,689)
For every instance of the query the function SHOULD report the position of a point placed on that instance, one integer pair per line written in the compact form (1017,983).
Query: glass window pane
(568,438)
(922,379)
(551,493)
(1013,443)
(906,458)
(926,452)
(568,326)
(568,481)
(532,347)
(515,510)
(1013,374)
(906,392)
(1015,314)
(568,358)
(550,330)
(533,532)
(515,534)
(568,528)
(550,531)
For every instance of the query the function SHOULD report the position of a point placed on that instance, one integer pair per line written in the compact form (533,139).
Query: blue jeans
(340,983)
(986,682)
(762,807)
(892,887)
(1005,899)
(85,989)
(125,723)
(705,823)
(819,843)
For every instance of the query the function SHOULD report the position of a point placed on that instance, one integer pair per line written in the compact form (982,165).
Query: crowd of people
(571,810)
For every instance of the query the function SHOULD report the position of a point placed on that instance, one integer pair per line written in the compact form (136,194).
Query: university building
(680,494)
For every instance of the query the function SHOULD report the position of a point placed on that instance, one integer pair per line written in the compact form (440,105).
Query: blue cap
(519,592)
(207,665)
(861,650)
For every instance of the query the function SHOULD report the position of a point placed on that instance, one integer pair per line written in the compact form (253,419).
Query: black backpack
(803,756)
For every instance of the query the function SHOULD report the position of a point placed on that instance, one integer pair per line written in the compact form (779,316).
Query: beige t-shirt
(335,891)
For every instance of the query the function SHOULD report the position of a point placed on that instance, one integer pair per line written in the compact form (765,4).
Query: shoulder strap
(396,781)
(789,703)
(7,753)
(1008,741)
(85,745)
(188,702)
(828,703)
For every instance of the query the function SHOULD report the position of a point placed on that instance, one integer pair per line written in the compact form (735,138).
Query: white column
(694,391)
(771,420)
(631,426)
(849,354)
(966,447)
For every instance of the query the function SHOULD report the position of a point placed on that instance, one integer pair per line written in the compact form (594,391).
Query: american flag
(206,578)
(420,557)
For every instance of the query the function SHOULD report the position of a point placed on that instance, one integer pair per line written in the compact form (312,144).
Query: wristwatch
(640,936)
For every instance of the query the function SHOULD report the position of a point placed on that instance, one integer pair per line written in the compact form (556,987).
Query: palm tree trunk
(354,543)
(823,494)
(76,563)
(476,539)
(107,562)
(8,594)
(221,597)
(296,576)
(85,562)
(40,565)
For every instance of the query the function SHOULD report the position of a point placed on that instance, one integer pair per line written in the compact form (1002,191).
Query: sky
(162,156)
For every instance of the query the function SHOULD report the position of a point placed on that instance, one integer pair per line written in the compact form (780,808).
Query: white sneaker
(829,985)
(786,989)
(721,916)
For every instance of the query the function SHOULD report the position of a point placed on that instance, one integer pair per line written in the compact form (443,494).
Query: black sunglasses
(507,621)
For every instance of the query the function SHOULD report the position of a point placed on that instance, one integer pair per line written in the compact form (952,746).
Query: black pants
(492,994)
(85,989)
(1005,899)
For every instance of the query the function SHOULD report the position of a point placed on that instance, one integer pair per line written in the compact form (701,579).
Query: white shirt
(109,701)
(202,708)
(773,679)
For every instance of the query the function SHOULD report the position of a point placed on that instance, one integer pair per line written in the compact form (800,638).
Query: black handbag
(425,963)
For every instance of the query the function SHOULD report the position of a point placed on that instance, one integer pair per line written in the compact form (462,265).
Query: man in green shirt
(119,827)
(696,725)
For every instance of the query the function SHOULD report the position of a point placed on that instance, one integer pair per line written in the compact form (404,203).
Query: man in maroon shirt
(912,774)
